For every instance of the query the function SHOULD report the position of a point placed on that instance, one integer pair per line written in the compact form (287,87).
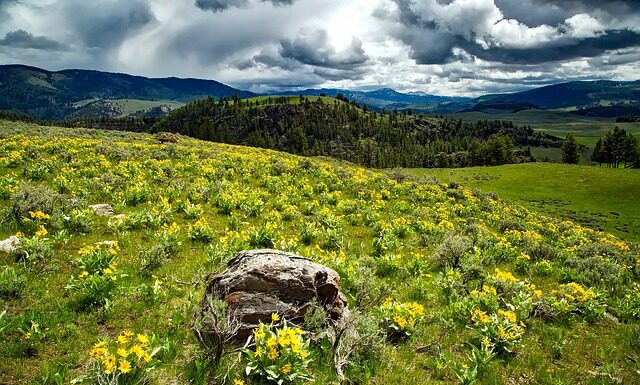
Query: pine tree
(570,150)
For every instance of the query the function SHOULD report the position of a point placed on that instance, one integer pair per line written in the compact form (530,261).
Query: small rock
(257,283)
(10,245)
(103,209)
(107,243)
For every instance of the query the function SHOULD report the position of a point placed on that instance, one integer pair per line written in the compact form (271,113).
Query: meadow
(447,284)
(599,197)
(558,123)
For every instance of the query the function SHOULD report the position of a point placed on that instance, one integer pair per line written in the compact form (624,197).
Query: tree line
(617,148)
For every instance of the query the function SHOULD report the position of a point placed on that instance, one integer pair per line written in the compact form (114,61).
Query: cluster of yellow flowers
(575,292)
(41,232)
(271,344)
(130,352)
(402,317)
(500,331)
(38,215)
(281,354)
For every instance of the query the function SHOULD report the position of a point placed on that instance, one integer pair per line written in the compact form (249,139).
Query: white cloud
(582,25)
(444,47)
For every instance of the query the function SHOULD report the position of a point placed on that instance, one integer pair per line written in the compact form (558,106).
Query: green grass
(596,196)
(385,234)
(587,129)
(131,106)
(128,107)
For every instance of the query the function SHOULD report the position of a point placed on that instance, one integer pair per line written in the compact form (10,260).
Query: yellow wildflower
(400,321)
(275,317)
(41,232)
(143,340)
(286,369)
(273,354)
(480,316)
(509,315)
(124,367)
(137,350)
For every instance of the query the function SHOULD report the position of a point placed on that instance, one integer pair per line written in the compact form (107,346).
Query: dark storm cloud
(432,43)
(613,6)
(314,48)
(105,24)
(221,5)
(23,39)
(533,12)
(589,47)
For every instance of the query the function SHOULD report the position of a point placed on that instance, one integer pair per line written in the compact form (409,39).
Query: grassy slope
(109,166)
(597,196)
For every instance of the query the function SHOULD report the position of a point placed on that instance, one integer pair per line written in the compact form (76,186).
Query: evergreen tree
(570,150)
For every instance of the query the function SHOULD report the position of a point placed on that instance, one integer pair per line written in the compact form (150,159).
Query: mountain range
(73,93)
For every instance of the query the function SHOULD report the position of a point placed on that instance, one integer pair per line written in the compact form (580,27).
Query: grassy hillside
(463,284)
(597,196)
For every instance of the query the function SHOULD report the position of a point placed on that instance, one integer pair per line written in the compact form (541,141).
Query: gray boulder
(103,209)
(257,283)
(10,245)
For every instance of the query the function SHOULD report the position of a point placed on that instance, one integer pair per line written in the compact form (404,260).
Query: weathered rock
(106,243)
(10,245)
(103,209)
(258,283)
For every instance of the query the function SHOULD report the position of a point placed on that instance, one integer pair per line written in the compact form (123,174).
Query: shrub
(595,271)
(214,329)
(31,198)
(451,251)
(167,137)
(12,283)
(167,246)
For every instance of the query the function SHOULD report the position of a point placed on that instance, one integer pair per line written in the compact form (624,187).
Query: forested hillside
(331,127)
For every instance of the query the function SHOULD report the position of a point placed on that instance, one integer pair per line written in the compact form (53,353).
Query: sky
(445,47)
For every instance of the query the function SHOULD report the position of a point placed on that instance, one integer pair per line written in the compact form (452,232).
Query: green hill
(574,94)
(344,130)
(444,282)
